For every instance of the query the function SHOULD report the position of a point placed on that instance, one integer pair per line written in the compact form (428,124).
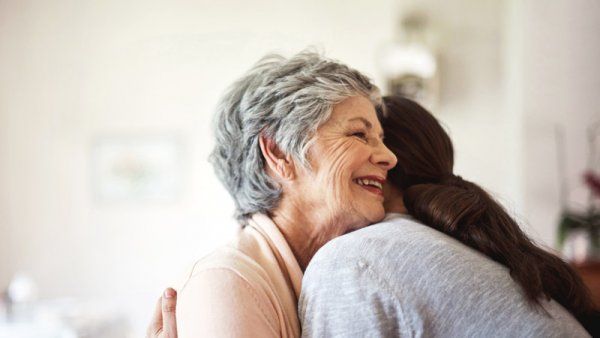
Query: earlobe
(276,162)
(288,168)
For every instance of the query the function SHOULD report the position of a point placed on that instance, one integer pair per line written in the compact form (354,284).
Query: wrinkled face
(349,165)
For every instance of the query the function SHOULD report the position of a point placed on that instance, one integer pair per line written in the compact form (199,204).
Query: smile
(372,184)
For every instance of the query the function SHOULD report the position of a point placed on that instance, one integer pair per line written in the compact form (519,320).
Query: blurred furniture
(25,329)
(590,273)
(64,318)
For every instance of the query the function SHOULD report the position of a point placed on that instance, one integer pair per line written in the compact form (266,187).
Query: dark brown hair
(461,209)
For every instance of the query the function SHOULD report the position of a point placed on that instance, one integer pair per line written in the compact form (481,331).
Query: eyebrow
(365,121)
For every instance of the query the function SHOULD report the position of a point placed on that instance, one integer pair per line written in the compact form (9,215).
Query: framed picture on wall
(136,168)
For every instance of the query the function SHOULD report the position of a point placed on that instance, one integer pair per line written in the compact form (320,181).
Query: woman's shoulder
(226,293)
(399,244)
(228,260)
(235,284)
(394,231)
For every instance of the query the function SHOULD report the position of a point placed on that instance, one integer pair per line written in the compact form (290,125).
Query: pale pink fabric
(249,288)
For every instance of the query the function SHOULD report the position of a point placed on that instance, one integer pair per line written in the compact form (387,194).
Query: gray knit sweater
(400,278)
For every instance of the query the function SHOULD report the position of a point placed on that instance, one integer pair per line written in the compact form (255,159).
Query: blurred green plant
(583,222)
(587,222)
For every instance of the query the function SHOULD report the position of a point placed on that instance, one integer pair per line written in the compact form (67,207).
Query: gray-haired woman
(299,147)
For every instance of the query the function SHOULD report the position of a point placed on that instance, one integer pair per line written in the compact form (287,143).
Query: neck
(398,209)
(394,202)
(300,231)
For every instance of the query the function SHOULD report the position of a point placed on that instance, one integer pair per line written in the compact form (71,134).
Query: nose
(383,157)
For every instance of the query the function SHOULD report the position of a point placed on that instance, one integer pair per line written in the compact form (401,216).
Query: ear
(279,164)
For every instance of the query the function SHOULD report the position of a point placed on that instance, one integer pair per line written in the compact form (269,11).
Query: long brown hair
(463,210)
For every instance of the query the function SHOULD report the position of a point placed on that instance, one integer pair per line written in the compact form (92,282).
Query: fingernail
(169,293)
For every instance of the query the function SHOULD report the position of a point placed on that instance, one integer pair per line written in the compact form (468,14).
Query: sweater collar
(279,243)
(394,215)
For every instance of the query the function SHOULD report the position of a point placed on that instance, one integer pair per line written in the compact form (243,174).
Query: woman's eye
(361,135)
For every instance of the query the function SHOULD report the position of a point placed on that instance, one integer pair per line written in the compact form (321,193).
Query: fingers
(156,324)
(169,304)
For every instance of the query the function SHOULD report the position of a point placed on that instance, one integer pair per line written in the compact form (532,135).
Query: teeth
(362,181)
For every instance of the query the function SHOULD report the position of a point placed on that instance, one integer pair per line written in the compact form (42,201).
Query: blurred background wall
(74,72)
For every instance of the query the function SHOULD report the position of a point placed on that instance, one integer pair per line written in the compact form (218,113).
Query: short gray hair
(287,99)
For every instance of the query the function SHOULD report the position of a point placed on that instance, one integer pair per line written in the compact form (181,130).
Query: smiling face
(349,164)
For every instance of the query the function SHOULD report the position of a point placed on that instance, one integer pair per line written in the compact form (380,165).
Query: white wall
(560,83)
(74,70)
(474,53)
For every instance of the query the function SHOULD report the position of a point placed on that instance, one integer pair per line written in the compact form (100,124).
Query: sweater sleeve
(218,302)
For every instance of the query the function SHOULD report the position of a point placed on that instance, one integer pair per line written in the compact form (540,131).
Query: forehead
(356,109)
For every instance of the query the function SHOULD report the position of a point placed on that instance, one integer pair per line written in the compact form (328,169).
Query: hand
(164,324)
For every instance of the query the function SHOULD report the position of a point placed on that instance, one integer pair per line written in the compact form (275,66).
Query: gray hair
(287,99)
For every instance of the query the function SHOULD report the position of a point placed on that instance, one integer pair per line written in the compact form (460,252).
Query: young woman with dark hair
(438,198)
(476,274)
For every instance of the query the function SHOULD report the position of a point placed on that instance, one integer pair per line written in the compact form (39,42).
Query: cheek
(338,166)
(342,194)
(330,176)
(334,165)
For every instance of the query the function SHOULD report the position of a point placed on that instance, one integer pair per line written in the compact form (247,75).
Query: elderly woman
(299,148)
(447,261)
